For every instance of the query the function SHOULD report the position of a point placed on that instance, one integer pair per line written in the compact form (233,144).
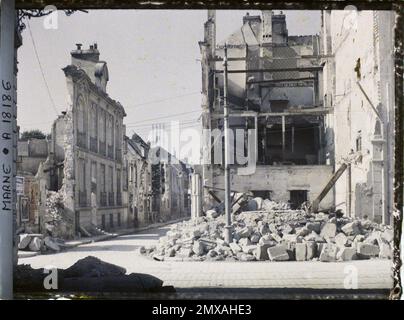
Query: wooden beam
(301,69)
(282,80)
(297,112)
(327,188)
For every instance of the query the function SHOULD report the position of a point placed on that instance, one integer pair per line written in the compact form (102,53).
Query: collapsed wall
(59,208)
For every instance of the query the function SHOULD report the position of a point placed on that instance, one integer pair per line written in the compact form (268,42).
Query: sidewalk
(79,242)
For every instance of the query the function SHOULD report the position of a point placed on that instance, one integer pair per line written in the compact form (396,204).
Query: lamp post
(228,227)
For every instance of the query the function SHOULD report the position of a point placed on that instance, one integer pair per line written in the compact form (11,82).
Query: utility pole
(7,150)
(228,227)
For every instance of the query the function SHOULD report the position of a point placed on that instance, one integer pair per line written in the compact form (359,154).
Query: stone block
(341,240)
(235,247)
(367,250)
(347,254)
(329,230)
(352,228)
(244,242)
(49,243)
(255,238)
(302,232)
(311,250)
(314,226)
(388,235)
(185,252)
(261,252)
(25,239)
(246,257)
(301,251)
(263,228)
(385,251)
(212,214)
(198,248)
(314,237)
(278,253)
(328,253)
(244,232)
(250,249)
(35,244)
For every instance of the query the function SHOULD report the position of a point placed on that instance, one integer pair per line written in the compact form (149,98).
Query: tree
(33,134)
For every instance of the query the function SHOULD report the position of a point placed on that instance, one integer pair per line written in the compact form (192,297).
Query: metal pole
(7,178)
(228,228)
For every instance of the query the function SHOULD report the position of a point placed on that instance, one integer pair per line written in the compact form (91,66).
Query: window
(93,176)
(111,179)
(110,130)
(264,194)
(101,125)
(102,176)
(359,142)
(118,180)
(93,121)
(297,197)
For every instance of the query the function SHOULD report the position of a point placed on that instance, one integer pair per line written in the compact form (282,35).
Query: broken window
(297,198)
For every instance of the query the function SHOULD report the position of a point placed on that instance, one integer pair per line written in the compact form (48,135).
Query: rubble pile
(274,232)
(37,242)
(56,221)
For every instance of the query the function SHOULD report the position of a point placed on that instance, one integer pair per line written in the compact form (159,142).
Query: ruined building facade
(170,186)
(87,147)
(359,86)
(90,177)
(139,175)
(274,87)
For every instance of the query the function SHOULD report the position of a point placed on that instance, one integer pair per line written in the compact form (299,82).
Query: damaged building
(138,181)
(30,154)
(359,86)
(275,87)
(85,157)
(90,177)
(170,186)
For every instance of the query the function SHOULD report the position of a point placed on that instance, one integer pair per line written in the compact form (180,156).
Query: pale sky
(152,56)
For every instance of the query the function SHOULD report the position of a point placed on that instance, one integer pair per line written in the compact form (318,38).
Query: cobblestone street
(372,274)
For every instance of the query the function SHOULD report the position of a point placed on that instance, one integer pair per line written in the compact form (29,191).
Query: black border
(397,6)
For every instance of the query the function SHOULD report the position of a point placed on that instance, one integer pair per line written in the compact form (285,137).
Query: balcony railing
(83,199)
(81,139)
(118,198)
(102,150)
(93,145)
(110,152)
(103,199)
(111,199)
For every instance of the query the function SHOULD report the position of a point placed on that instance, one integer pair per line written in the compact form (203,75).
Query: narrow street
(213,276)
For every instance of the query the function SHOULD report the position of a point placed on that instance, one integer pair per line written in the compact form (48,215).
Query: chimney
(279,29)
(90,54)
(266,34)
(210,31)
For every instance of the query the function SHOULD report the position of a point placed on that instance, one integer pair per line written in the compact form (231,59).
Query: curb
(77,243)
